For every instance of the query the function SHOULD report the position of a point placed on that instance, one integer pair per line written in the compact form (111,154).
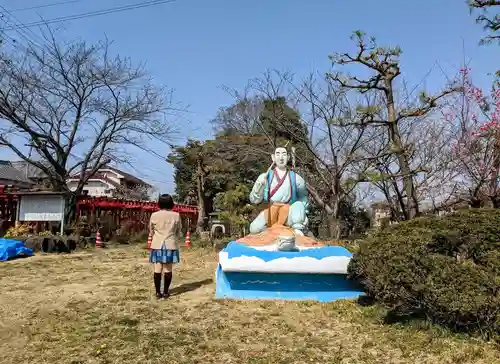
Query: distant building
(112,182)
(380,211)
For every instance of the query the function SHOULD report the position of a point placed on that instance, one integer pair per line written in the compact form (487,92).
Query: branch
(489,23)
(430,103)
(317,198)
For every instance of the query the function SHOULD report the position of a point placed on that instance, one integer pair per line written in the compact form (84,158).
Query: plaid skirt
(164,255)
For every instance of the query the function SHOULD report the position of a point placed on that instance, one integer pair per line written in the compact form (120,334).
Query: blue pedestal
(284,286)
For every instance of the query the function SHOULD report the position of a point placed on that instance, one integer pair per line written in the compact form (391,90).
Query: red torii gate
(110,203)
(135,212)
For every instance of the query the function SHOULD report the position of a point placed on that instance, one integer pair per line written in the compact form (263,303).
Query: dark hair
(166,202)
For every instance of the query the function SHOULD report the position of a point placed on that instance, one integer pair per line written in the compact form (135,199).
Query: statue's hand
(257,193)
(259,186)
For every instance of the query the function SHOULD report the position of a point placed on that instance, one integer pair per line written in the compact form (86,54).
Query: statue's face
(280,157)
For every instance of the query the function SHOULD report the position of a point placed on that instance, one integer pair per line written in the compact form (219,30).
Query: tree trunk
(200,187)
(70,210)
(475,203)
(332,212)
(336,228)
(399,150)
(71,198)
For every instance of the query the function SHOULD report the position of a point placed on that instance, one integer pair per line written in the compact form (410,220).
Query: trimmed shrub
(446,269)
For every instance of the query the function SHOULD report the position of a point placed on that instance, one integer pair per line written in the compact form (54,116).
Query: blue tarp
(235,249)
(12,249)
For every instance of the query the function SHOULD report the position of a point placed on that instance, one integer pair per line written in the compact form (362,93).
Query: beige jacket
(166,227)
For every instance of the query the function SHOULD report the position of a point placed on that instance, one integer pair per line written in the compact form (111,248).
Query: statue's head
(280,157)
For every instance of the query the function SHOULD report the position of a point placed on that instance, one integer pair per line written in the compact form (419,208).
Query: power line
(91,14)
(22,32)
(45,6)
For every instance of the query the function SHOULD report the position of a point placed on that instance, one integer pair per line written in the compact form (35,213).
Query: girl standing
(165,226)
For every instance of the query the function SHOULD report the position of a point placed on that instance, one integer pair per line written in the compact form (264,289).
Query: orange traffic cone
(98,243)
(150,238)
(188,239)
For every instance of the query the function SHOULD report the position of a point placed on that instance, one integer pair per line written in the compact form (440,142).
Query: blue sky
(197,46)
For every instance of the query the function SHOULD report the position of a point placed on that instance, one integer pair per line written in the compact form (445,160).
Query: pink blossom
(478,130)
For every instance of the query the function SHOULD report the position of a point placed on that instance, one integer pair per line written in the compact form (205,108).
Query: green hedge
(446,269)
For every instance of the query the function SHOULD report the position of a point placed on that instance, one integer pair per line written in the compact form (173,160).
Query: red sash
(278,186)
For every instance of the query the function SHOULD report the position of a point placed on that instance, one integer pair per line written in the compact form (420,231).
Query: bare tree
(429,156)
(383,64)
(320,127)
(433,155)
(78,108)
(336,162)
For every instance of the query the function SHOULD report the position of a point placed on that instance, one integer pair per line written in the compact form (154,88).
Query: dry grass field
(98,307)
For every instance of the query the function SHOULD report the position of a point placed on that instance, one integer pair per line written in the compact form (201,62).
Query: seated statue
(285,194)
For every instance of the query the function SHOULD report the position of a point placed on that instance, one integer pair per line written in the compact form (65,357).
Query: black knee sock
(168,280)
(157,279)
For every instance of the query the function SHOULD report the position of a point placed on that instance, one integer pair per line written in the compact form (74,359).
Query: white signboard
(41,208)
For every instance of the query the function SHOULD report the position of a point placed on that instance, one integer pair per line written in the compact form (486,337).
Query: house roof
(9,173)
(128,176)
(99,176)
(33,171)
